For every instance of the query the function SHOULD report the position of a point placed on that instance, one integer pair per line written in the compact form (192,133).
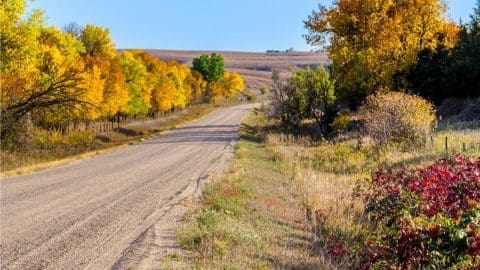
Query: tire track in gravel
(117,210)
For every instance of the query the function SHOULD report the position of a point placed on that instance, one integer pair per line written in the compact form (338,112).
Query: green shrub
(398,117)
(340,123)
(264,90)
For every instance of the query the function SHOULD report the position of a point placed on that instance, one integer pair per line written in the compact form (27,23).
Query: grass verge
(50,149)
(252,217)
(290,203)
(331,175)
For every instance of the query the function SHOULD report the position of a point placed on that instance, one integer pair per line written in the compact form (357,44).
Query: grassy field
(262,214)
(50,149)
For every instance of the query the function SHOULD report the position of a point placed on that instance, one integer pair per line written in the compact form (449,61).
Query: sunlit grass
(50,149)
(277,184)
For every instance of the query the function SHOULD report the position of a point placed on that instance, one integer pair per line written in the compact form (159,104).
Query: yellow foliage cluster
(370,41)
(229,86)
(59,77)
(232,84)
(340,123)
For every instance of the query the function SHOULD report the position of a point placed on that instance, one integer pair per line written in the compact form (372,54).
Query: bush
(398,117)
(340,123)
(309,94)
(250,96)
(429,218)
(264,90)
(55,140)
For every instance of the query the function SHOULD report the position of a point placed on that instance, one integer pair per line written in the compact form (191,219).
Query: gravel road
(113,211)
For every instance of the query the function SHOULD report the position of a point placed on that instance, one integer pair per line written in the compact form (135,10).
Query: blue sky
(242,25)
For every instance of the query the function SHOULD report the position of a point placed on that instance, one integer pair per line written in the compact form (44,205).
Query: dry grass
(328,173)
(51,164)
(53,149)
(253,217)
(278,182)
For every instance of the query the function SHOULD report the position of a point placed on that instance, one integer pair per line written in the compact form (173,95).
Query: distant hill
(256,68)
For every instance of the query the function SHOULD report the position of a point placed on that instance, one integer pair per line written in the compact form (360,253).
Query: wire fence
(458,137)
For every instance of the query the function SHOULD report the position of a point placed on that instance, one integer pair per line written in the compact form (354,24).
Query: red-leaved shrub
(427,217)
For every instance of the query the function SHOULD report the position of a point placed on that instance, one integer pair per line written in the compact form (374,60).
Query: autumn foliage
(220,84)
(371,42)
(428,217)
(56,78)
(398,117)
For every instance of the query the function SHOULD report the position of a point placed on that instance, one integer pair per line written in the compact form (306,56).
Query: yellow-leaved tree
(372,42)
(103,64)
(19,48)
(197,86)
(233,84)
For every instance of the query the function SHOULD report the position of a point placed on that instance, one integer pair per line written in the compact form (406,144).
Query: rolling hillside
(256,68)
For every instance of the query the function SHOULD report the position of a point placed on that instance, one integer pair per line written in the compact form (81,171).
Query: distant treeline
(289,50)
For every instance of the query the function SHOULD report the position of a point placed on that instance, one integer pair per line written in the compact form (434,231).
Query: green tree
(450,72)
(308,94)
(135,75)
(212,67)
(466,59)
(314,94)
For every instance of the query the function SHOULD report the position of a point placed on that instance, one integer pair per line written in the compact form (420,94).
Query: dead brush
(327,198)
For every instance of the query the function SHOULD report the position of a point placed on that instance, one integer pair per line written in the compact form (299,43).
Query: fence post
(446,146)
(464,148)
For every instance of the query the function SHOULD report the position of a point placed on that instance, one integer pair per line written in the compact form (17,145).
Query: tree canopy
(308,94)
(450,71)
(371,42)
(212,66)
(57,77)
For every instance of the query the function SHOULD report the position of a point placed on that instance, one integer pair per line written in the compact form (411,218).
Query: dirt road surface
(117,210)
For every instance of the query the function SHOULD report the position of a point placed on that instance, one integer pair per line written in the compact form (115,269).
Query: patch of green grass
(211,231)
(174,256)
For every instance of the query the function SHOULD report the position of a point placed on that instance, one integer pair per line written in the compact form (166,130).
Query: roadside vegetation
(290,202)
(250,218)
(47,149)
(67,91)
(363,163)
